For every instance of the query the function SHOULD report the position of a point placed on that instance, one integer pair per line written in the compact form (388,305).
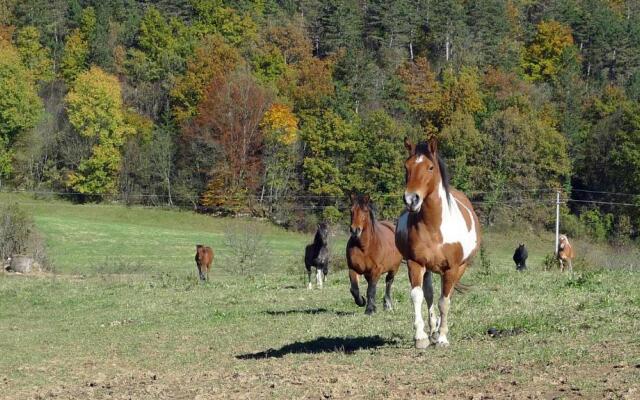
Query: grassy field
(124,316)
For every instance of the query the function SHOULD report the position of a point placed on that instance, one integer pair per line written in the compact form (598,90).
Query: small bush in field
(550,262)
(247,246)
(19,236)
(485,262)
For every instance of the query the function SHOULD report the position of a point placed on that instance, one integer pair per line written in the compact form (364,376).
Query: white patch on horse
(454,227)
(417,297)
(419,159)
(403,227)
(319,277)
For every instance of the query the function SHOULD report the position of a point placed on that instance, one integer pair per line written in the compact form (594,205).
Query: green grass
(125,316)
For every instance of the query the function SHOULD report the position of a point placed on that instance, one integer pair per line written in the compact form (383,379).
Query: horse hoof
(370,311)
(422,344)
(309,286)
(442,343)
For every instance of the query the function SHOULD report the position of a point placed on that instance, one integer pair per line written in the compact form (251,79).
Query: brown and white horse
(565,253)
(439,232)
(371,251)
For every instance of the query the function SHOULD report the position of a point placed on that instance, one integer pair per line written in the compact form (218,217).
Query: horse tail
(462,288)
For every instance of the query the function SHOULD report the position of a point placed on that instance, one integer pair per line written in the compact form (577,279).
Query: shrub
(19,236)
(247,246)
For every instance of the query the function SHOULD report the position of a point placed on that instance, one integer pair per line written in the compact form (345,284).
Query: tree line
(281,107)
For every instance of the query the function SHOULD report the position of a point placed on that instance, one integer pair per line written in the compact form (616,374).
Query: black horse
(317,255)
(520,257)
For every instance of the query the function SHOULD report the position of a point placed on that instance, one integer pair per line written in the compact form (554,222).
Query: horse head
(322,233)
(423,173)
(361,214)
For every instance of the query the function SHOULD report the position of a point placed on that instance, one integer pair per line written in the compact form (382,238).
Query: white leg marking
(443,304)
(417,297)
(319,277)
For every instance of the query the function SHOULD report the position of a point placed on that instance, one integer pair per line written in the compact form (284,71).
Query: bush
(332,215)
(19,236)
(247,246)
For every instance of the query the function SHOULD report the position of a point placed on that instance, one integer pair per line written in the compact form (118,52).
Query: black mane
(422,148)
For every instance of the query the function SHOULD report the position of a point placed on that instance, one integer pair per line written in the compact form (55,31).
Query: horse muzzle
(412,201)
(355,232)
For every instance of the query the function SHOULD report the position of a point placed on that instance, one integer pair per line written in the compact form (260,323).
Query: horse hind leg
(427,288)
(388,301)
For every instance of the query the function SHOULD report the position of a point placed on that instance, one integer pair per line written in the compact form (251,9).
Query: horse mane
(372,208)
(423,149)
(317,239)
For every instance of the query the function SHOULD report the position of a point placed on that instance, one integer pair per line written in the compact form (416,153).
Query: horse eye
(431,168)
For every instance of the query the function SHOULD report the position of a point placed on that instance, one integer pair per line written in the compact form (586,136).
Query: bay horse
(565,253)
(204,258)
(438,233)
(316,255)
(371,251)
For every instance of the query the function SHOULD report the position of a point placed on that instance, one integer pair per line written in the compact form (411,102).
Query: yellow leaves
(435,102)
(95,110)
(74,57)
(543,58)
(280,124)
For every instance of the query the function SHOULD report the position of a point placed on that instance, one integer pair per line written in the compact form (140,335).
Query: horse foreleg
(416,274)
(372,282)
(427,288)
(309,285)
(319,277)
(355,288)
(561,265)
(388,302)
(449,280)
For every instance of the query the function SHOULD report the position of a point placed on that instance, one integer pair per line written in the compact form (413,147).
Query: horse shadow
(309,311)
(345,345)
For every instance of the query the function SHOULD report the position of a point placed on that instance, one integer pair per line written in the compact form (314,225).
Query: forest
(281,108)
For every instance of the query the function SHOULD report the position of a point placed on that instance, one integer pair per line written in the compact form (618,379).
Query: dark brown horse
(438,233)
(204,258)
(371,251)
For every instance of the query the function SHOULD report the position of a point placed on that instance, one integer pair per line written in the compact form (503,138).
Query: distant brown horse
(371,251)
(565,253)
(438,233)
(204,258)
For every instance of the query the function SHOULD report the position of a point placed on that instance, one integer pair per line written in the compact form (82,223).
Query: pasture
(124,316)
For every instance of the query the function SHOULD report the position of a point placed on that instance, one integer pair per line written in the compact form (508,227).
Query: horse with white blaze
(438,233)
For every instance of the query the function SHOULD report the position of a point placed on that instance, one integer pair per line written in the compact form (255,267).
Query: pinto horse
(439,232)
(316,255)
(371,251)
(204,258)
(565,253)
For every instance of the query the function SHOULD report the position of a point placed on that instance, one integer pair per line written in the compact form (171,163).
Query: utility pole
(555,250)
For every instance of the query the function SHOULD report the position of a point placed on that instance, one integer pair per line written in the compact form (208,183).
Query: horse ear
(352,196)
(409,145)
(433,146)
